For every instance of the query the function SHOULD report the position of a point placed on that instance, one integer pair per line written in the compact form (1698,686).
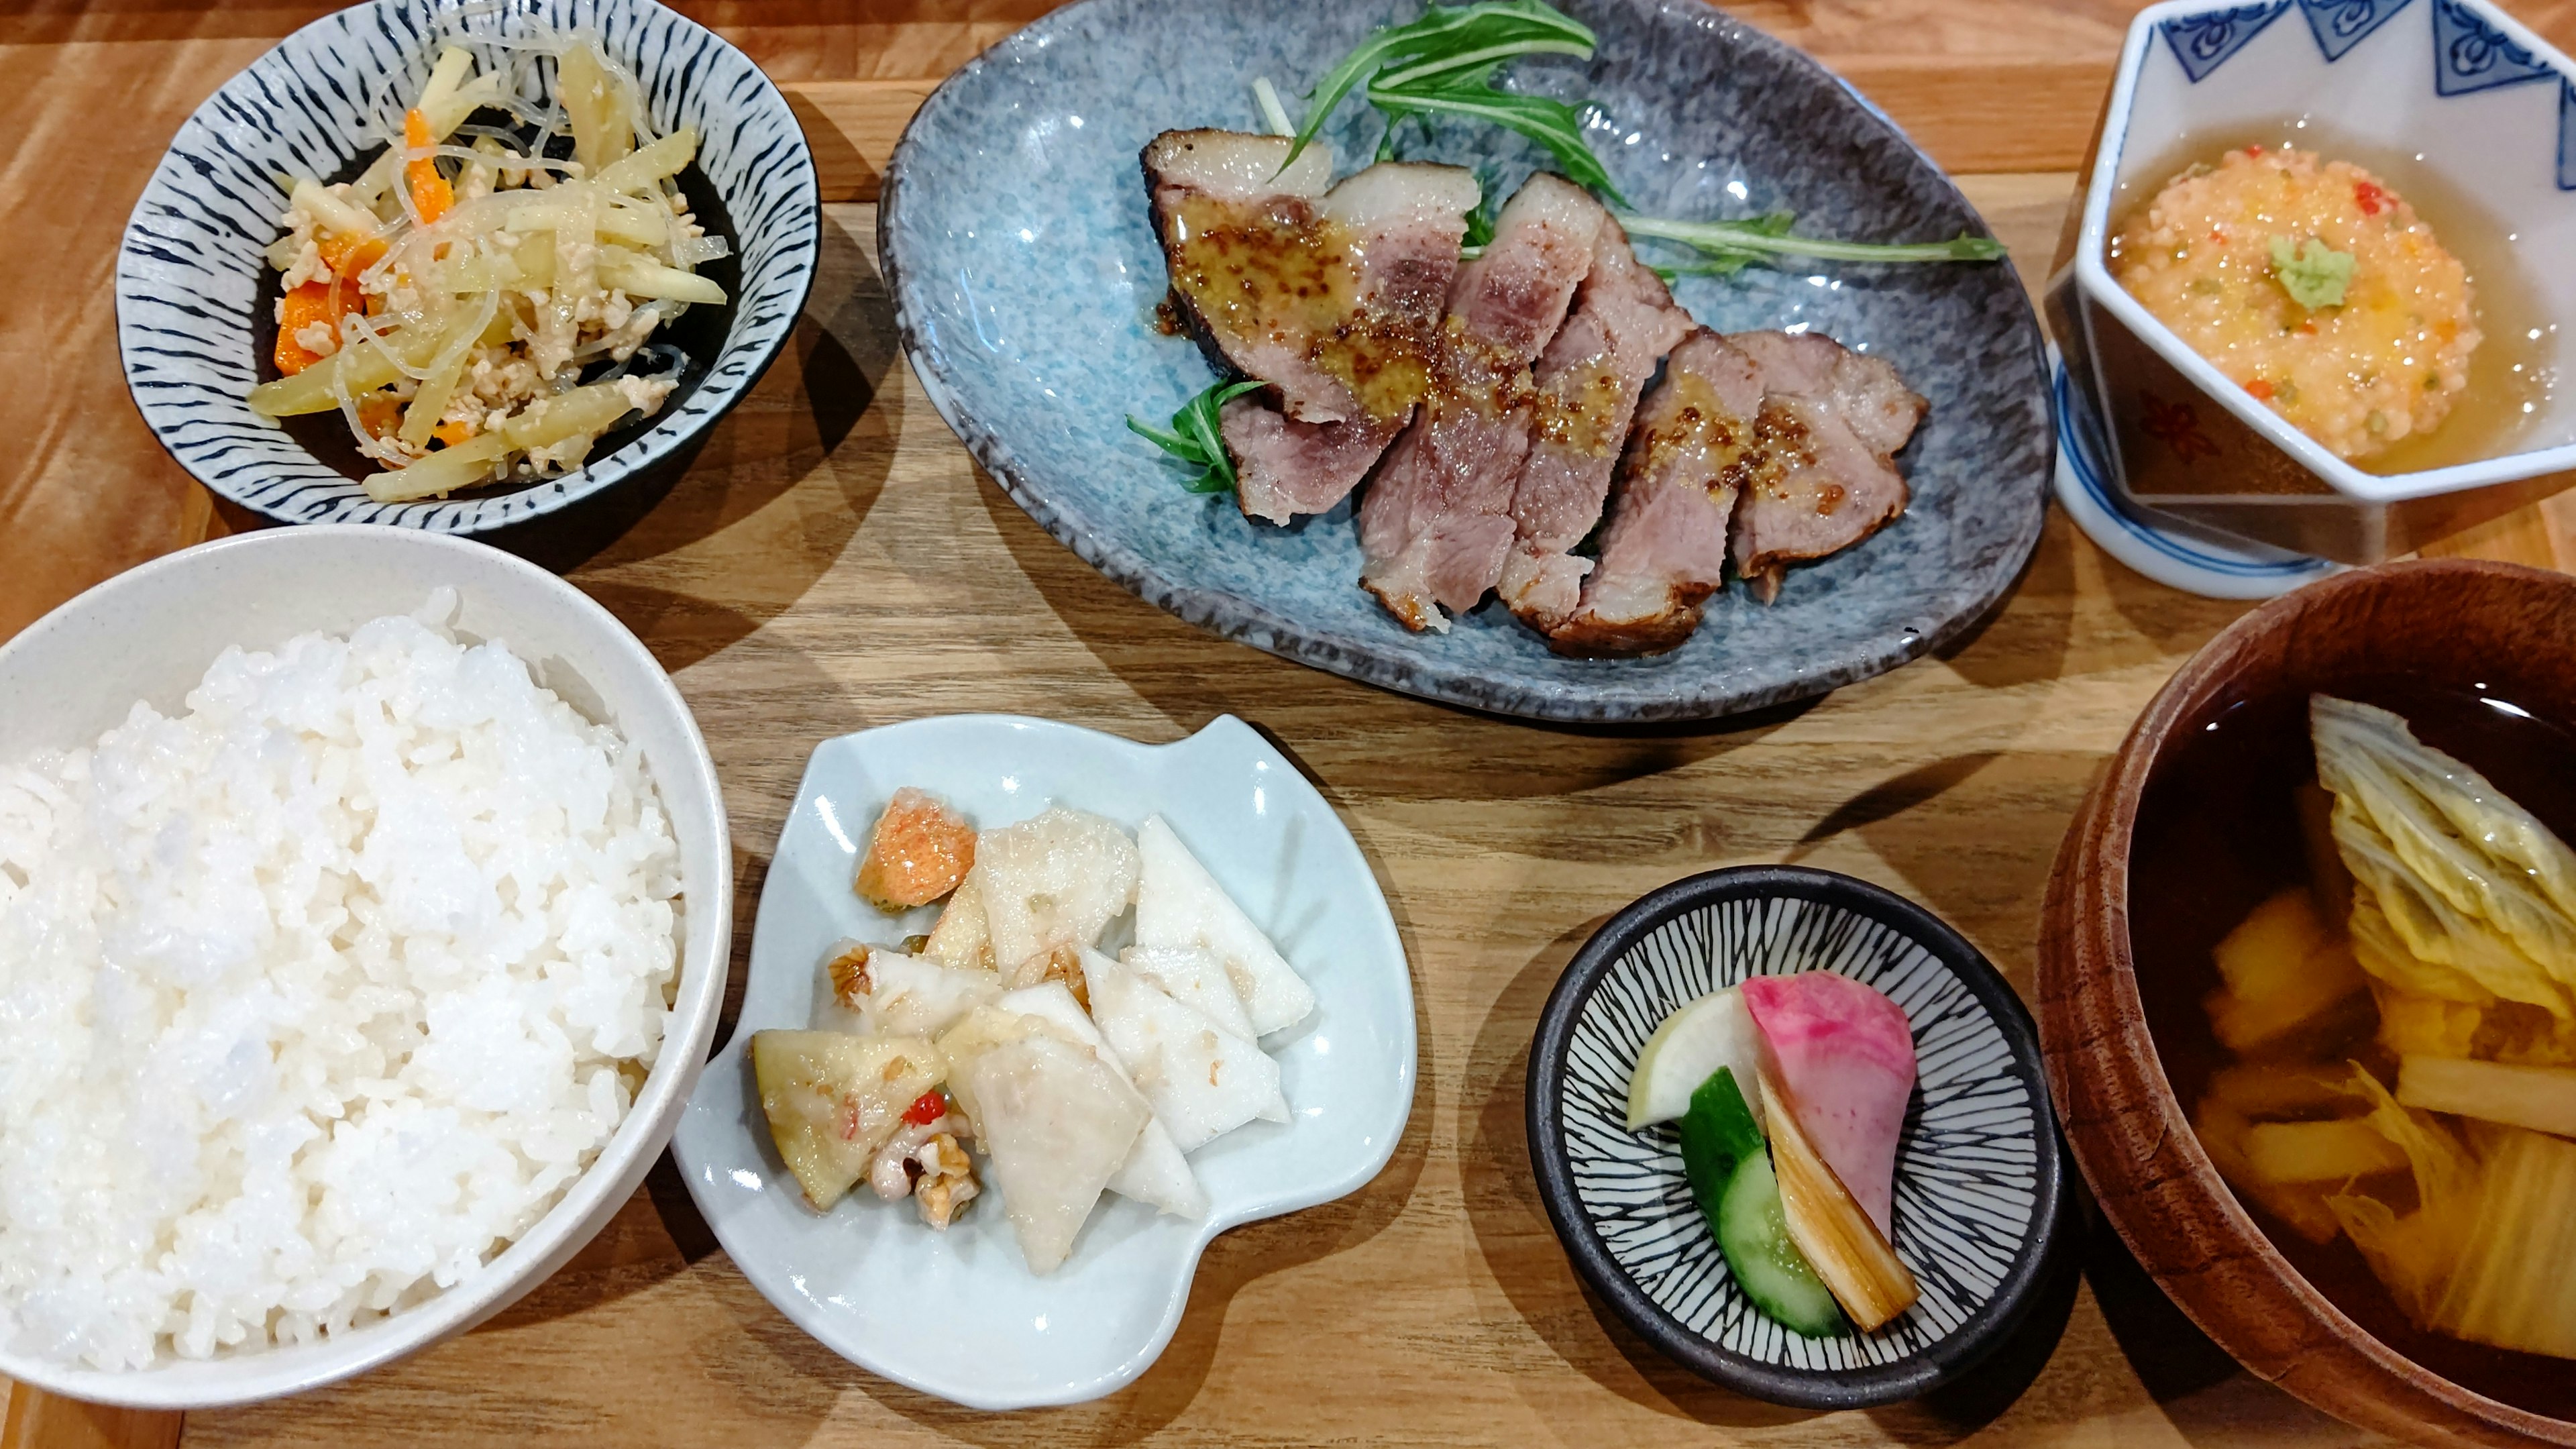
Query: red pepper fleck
(2254,150)
(927,1108)
(2260,388)
(2373,197)
(2218,234)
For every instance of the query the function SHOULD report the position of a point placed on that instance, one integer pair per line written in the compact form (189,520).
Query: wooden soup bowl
(2457,624)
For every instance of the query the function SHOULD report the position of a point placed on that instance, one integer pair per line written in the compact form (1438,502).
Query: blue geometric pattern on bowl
(2567,137)
(2202,43)
(1014,236)
(2170,554)
(2470,55)
(191,265)
(2339,25)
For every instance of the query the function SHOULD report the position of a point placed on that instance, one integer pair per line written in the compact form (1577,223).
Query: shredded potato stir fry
(450,300)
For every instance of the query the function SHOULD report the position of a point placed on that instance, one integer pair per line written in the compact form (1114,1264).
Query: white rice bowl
(316,995)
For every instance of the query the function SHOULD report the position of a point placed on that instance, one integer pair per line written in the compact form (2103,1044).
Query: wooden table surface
(835,561)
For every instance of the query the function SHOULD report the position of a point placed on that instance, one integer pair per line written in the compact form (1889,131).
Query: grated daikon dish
(2312,286)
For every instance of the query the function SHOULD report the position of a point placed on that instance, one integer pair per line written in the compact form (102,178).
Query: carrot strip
(431,196)
(296,311)
(292,356)
(347,256)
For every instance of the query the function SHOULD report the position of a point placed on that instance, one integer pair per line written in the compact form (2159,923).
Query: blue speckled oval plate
(1014,234)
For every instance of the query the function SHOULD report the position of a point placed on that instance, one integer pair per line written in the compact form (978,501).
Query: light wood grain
(851,126)
(828,567)
(2543,535)
(43,1421)
(834,561)
(1986,121)
(1983,85)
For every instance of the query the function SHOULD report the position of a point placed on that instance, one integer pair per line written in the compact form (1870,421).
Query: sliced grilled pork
(1404,222)
(1236,166)
(1232,224)
(1284,467)
(1623,323)
(1664,552)
(1832,420)
(1437,523)
(1333,296)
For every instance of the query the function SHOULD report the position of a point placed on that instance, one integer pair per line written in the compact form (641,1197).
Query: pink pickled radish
(1845,1055)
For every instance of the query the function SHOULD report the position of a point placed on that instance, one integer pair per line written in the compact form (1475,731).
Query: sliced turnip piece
(1203,1081)
(832,1100)
(899,995)
(1056,1120)
(961,938)
(1844,1057)
(1155,1172)
(1179,904)
(1056,880)
(1192,977)
(1687,1049)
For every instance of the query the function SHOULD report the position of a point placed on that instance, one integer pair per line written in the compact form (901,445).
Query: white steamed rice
(316,996)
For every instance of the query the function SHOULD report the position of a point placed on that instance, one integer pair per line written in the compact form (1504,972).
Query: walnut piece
(1064,963)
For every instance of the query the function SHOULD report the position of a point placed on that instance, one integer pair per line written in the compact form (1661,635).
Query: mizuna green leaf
(1194,438)
(1551,123)
(1480,221)
(1730,245)
(1449,50)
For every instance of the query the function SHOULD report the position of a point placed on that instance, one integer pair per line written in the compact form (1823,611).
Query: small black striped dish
(1980,1178)
(188,275)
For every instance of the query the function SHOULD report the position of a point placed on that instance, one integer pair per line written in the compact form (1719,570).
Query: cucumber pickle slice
(1731,1180)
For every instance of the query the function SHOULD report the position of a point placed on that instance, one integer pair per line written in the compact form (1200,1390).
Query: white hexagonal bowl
(2475,98)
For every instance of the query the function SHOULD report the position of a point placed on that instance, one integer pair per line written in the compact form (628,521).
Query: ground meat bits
(919,852)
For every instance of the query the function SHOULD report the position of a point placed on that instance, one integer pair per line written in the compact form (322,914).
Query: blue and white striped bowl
(1981,1198)
(188,275)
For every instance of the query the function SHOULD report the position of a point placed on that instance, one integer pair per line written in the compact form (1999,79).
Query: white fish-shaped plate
(958,1314)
